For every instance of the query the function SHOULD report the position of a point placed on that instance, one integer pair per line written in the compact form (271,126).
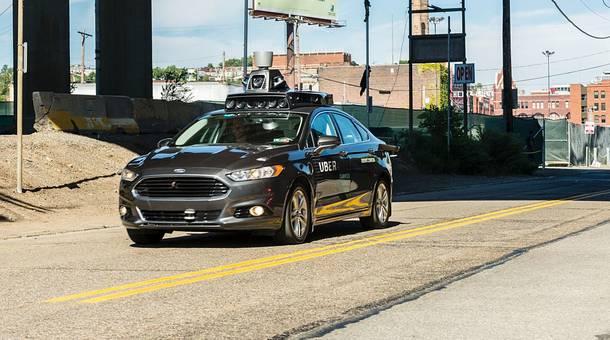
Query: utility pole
(507,98)
(224,72)
(245,60)
(392,39)
(465,86)
(411,67)
(548,55)
(20,71)
(84,37)
(369,108)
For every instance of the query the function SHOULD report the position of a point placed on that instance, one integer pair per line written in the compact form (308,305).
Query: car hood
(212,156)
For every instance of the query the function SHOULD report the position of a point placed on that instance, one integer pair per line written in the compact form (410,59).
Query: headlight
(253,174)
(128,175)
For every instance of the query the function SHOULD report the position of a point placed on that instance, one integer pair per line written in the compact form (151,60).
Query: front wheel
(381,208)
(296,224)
(145,237)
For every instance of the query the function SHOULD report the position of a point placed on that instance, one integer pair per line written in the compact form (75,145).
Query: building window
(596,119)
(603,106)
(596,107)
(604,119)
(603,94)
(584,119)
(567,104)
(596,94)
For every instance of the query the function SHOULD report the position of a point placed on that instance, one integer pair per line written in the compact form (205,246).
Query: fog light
(257,211)
(123,211)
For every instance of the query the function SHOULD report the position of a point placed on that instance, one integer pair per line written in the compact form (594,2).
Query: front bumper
(223,213)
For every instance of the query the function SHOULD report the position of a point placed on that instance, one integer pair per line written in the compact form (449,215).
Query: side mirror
(326,142)
(164,142)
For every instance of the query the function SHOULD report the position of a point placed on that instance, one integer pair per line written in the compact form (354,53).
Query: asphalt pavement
(96,284)
(558,291)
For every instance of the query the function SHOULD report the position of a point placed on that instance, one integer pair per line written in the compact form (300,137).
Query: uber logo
(329,166)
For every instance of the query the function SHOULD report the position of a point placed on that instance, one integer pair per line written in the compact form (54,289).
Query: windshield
(244,128)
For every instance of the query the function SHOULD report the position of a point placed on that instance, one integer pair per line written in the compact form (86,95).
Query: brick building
(389,85)
(536,104)
(592,101)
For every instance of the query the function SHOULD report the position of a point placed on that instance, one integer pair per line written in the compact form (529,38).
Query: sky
(194,33)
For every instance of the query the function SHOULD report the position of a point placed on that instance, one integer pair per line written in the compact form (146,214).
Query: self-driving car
(275,162)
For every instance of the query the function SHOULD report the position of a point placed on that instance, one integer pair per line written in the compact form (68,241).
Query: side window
(349,132)
(322,125)
(363,132)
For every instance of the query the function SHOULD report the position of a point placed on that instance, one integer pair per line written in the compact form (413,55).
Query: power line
(6,9)
(593,11)
(553,62)
(557,74)
(576,26)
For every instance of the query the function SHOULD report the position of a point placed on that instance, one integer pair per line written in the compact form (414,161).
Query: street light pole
(245,61)
(548,55)
(435,21)
(20,71)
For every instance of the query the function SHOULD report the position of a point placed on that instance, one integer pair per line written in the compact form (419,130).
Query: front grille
(179,187)
(180,216)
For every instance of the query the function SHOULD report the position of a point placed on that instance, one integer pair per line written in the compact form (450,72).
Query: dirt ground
(67,178)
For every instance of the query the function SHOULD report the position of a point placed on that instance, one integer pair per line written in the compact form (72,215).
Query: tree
(235,62)
(175,88)
(6,79)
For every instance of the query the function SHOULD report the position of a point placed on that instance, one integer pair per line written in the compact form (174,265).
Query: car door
(330,169)
(357,152)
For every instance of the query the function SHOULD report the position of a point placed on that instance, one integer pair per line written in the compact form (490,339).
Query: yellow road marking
(152,285)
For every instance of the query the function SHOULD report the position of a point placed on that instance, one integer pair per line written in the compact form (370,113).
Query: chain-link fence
(589,149)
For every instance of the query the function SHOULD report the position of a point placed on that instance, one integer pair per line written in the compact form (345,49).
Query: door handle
(343,154)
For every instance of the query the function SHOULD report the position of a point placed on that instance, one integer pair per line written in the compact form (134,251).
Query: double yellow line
(136,288)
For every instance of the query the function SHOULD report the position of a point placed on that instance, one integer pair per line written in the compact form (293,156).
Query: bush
(483,153)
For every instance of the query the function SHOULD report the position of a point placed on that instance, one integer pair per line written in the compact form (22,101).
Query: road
(559,291)
(95,284)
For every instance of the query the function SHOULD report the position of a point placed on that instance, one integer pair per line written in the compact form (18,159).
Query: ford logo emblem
(179,171)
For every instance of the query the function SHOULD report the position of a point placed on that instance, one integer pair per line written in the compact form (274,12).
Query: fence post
(587,155)
(595,161)
(608,156)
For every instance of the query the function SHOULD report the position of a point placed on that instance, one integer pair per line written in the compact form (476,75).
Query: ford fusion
(281,163)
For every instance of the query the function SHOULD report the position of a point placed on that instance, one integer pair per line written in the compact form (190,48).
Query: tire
(381,209)
(145,237)
(296,224)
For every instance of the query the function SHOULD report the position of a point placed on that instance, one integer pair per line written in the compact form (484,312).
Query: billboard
(315,9)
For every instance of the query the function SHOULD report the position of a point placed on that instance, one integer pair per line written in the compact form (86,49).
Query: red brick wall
(600,117)
(389,85)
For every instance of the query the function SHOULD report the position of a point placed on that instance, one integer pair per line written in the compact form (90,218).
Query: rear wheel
(381,208)
(296,224)
(145,237)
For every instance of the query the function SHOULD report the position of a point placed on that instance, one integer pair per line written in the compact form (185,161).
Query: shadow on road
(230,240)
(549,184)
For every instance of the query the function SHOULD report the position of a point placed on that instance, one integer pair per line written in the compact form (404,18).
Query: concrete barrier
(114,114)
